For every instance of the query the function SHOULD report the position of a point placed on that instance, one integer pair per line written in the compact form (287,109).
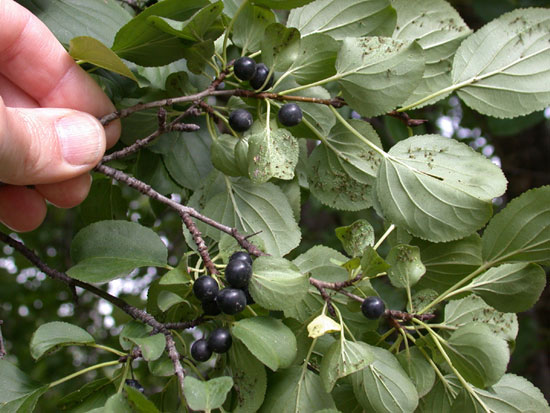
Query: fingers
(22,209)
(67,194)
(40,146)
(55,79)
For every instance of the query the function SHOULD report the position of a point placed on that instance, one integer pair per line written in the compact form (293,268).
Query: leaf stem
(83,371)
(451,291)
(384,236)
(440,92)
(228,30)
(356,133)
(109,349)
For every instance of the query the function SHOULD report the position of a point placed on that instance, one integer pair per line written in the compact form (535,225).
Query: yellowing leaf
(322,325)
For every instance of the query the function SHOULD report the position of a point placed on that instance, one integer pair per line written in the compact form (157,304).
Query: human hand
(49,133)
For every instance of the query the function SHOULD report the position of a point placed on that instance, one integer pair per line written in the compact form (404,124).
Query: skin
(40,84)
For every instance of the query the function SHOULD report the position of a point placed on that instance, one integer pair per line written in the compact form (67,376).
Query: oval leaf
(521,231)
(271,342)
(406,268)
(437,188)
(503,69)
(206,395)
(277,284)
(51,336)
(93,51)
(107,250)
(510,288)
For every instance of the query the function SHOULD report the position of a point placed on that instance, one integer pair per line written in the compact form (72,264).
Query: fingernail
(81,139)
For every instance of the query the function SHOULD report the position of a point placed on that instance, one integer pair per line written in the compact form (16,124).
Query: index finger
(33,59)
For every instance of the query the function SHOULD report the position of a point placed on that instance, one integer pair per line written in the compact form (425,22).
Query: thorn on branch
(184,127)
(406,119)
(404,316)
(161,117)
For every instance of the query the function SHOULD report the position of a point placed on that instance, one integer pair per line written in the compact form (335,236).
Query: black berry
(244,68)
(373,307)
(135,384)
(259,77)
(238,273)
(205,288)
(290,114)
(200,350)
(231,300)
(210,308)
(241,256)
(240,120)
(220,340)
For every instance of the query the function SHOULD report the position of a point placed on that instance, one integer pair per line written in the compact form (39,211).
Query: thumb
(45,145)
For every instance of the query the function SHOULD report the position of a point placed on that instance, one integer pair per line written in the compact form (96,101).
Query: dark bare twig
(179,208)
(199,242)
(174,356)
(184,325)
(140,143)
(2,347)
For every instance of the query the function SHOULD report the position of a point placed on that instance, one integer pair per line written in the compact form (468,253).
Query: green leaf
(196,27)
(107,250)
(280,46)
(198,56)
(71,18)
(343,358)
(117,404)
(437,188)
(222,155)
(316,59)
(50,337)
(138,402)
(418,369)
(24,404)
(512,394)
(383,386)
(206,395)
(131,331)
(356,237)
(358,18)
(104,202)
(89,390)
(253,208)
(168,299)
(281,4)
(341,170)
(439,30)
(510,287)
(372,264)
(276,283)
(295,390)
(376,74)
(320,262)
(151,347)
(272,154)
(250,378)
(151,170)
(440,398)
(502,70)
(478,355)
(16,388)
(448,262)
(186,157)
(268,339)
(93,51)
(406,267)
(471,309)
(141,42)
(521,231)
(249,27)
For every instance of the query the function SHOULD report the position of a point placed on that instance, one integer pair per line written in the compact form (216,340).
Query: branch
(199,242)
(403,117)
(140,143)
(179,208)
(2,348)
(175,357)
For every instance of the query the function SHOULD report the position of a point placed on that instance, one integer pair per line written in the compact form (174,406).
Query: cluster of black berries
(373,307)
(245,68)
(230,300)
